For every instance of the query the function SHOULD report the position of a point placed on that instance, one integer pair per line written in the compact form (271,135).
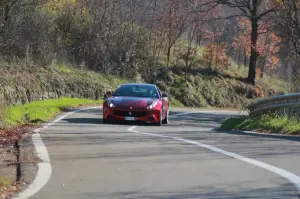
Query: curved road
(91,160)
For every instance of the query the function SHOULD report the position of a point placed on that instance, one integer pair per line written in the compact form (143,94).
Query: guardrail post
(290,112)
(282,112)
(298,113)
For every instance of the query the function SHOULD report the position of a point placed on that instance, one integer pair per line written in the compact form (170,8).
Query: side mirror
(107,94)
(164,95)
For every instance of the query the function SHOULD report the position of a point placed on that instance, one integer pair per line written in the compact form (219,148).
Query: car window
(137,91)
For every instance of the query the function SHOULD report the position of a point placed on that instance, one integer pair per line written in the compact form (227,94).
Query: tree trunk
(6,13)
(239,60)
(254,54)
(187,62)
(186,71)
(170,36)
(262,72)
(168,55)
(263,67)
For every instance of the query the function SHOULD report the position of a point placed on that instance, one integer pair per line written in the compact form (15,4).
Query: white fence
(286,105)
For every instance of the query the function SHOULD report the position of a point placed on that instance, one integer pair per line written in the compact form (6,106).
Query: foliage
(232,123)
(214,89)
(268,123)
(215,55)
(268,45)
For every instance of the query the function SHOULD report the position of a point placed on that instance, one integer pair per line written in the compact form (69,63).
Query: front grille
(133,113)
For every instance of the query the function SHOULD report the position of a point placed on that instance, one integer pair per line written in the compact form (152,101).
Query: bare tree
(8,8)
(291,10)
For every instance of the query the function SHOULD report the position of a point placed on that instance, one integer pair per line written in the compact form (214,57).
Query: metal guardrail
(286,105)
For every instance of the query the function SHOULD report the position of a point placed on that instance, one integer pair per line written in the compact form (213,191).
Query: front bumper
(113,114)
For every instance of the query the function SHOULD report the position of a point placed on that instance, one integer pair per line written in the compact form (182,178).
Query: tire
(166,120)
(105,121)
(160,119)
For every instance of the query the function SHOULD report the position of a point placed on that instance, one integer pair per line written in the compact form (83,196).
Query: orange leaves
(242,43)
(9,190)
(267,44)
(273,62)
(258,71)
(214,55)
(10,135)
(270,44)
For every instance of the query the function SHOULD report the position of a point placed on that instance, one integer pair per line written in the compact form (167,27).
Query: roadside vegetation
(22,84)
(42,111)
(265,123)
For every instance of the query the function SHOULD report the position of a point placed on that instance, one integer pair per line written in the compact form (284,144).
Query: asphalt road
(91,160)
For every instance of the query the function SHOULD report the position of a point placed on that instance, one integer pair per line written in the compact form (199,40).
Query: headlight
(152,106)
(110,104)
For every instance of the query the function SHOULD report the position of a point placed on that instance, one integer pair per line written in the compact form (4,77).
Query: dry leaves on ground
(11,135)
(8,191)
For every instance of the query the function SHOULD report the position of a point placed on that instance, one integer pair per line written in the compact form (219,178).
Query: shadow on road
(83,120)
(202,120)
(100,121)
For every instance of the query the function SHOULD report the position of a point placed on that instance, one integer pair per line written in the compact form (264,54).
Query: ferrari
(136,102)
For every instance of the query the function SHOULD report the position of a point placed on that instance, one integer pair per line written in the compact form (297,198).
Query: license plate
(130,118)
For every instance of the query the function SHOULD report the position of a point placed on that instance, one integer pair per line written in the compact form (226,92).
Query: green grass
(175,103)
(270,123)
(41,111)
(232,123)
(5,182)
(180,48)
(106,81)
(268,81)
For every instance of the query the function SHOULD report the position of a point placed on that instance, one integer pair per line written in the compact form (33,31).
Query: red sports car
(136,102)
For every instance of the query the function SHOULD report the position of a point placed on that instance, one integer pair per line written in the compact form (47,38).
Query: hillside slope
(225,89)
(21,84)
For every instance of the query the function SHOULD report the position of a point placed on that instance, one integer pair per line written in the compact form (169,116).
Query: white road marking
(44,167)
(205,111)
(270,134)
(294,179)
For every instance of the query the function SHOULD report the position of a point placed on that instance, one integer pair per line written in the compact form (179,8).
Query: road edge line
(44,167)
(291,177)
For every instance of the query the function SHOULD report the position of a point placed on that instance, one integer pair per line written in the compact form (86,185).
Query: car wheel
(166,120)
(105,121)
(160,119)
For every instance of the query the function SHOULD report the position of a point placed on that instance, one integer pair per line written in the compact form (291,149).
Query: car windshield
(137,91)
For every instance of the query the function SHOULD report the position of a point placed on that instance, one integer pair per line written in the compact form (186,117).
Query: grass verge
(268,123)
(41,111)
(4,182)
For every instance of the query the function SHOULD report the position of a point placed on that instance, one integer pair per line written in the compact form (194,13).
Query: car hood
(134,102)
